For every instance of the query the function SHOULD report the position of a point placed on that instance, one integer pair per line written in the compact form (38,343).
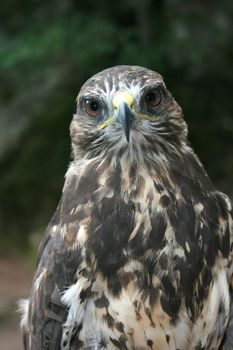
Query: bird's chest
(135,319)
(145,277)
(124,222)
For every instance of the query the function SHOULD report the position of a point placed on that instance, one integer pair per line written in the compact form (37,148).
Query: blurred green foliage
(48,48)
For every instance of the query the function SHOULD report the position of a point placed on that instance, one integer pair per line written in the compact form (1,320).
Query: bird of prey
(138,254)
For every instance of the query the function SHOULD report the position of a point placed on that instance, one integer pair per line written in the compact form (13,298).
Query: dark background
(49,48)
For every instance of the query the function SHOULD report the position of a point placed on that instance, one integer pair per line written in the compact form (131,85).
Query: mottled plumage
(138,254)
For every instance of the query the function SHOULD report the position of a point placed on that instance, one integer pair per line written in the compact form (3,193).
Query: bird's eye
(92,107)
(153,98)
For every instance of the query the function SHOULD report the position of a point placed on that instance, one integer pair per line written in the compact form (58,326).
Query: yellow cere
(126,97)
(123,96)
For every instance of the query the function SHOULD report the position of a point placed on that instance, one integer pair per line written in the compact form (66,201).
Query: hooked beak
(124,113)
(125,117)
(123,103)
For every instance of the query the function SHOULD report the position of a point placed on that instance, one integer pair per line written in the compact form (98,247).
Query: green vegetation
(47,50)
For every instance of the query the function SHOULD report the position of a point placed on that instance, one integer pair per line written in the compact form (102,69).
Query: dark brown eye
(92,107)
(153,97)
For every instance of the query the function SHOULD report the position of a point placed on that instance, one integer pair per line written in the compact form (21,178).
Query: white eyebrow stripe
(136,89)
(133,88)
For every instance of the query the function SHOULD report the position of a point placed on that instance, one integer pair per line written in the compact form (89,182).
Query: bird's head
(126,108)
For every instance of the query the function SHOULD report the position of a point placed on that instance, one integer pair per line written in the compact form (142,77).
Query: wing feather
(56,268)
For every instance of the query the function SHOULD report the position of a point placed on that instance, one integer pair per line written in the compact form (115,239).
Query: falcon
(138,254)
